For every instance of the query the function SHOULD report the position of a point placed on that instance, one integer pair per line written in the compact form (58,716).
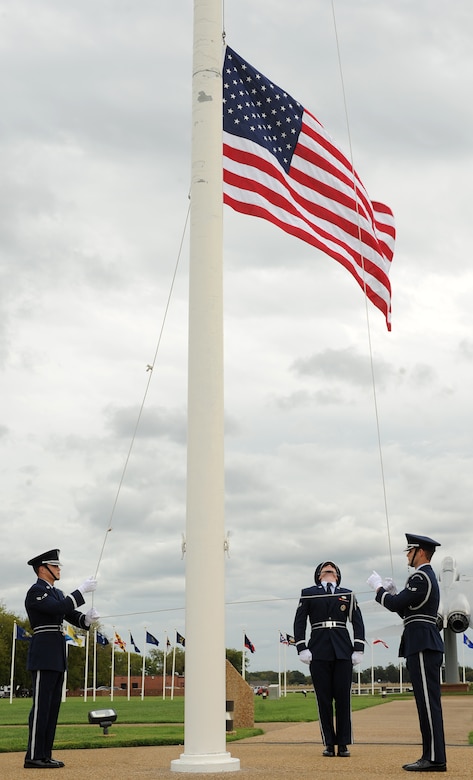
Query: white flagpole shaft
(94,667)
(285,670)
(372,671)
(205,714)
(143,669)
(279,663)
(165,655)
(112,680)
(64,685)
(86,665)
(128,675)
(12,667)
(243,657)
(173,669)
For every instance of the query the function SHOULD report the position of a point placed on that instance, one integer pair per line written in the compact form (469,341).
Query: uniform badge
(343,607)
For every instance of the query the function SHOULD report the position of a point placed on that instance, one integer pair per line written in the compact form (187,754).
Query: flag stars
(256,108)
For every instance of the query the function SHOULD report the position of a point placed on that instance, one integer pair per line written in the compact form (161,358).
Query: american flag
(280,164)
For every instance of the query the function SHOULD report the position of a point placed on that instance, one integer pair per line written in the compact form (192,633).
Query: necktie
(329,588)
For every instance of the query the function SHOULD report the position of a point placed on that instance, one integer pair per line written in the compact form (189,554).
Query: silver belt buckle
(330,623)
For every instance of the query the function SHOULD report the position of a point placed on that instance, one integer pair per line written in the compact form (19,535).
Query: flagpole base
(206,763)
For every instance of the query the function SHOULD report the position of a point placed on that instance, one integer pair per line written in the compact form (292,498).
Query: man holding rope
(47,607)
(421,645)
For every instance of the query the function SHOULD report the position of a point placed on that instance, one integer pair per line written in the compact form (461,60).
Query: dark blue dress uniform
(331,646)
(422,647)
(47,607)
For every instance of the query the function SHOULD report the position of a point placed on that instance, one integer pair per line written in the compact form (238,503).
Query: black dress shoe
(343,751)
(423,765)
(329,751)
(42,763)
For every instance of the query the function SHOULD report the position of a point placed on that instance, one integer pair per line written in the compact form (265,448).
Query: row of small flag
(78,641)
(150,640)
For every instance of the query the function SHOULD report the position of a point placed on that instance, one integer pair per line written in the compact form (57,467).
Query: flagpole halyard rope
(373,378)
(149,369)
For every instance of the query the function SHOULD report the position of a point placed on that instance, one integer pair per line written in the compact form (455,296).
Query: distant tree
(297,678)
(22,677)
(235,656)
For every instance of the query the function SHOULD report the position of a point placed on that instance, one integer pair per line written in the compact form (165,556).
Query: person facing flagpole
(47,607)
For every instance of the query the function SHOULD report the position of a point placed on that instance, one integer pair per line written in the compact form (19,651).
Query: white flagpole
(372,671)
(128,671)
(204,715)
(12,667)
(64,684)
(112,680)
(285,670)
(86,665)
(143,669)
(279,663)
(94,666)
(243,658)
(173,670)
(165,655)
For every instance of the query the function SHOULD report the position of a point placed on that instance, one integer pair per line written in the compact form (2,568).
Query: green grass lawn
(153,721)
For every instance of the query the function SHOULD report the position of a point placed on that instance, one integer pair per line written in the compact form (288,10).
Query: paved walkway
(386,737)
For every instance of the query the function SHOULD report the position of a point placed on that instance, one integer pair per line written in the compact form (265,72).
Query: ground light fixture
(103,718)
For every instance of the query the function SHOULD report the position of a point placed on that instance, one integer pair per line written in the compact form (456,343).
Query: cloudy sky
(95,160)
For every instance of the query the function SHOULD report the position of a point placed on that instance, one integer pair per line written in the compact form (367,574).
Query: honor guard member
(421,645)
(47,607)
(330,651)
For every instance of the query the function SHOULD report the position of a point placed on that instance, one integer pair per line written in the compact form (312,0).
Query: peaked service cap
(424,542)
(50,556)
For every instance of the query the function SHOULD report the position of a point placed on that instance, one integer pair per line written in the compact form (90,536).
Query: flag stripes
(281,165)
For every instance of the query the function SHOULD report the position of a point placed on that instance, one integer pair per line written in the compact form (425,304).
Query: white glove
(374,581)
(305,656)
(389,585)
(356,657)
(90,616)
(88,585)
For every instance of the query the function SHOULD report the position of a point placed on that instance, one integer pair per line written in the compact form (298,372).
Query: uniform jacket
(47,607)
(417,604)
(327,643)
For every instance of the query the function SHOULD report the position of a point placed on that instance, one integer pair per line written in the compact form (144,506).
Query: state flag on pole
(102,640)
(22,634)
(180,640)
(380,642)
(132,641)
(119,642)
(290,639)
(72,637)
(467,641)
(151,640)
(283,639)
(249,645)
(280,164)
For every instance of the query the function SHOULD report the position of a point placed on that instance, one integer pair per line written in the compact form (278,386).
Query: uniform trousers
(47,695)
(424,670)
(332,684)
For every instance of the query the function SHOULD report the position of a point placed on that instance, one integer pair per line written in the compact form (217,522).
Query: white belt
(329,624)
